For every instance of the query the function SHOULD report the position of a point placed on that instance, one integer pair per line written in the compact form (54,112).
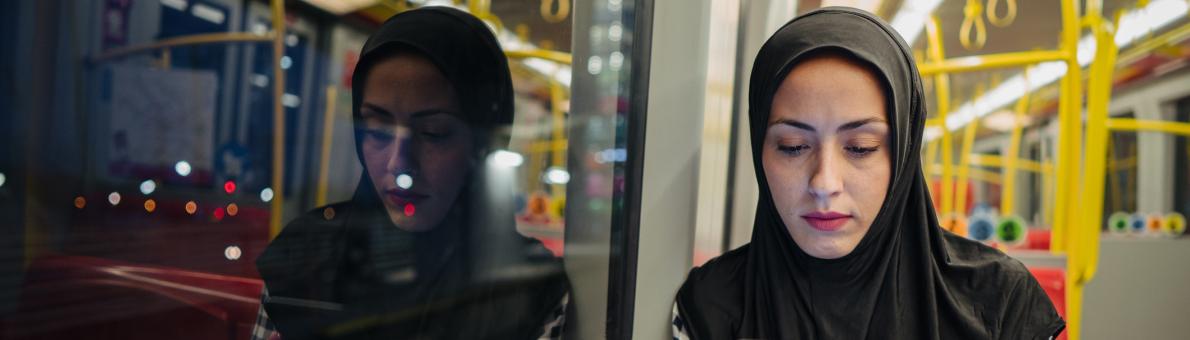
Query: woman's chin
(826,247)
(407,223)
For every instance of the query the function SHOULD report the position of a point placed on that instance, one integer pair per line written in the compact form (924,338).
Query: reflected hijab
(907,278)
(345,271)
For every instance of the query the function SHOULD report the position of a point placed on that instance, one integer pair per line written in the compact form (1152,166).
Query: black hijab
(907,278)
(345,271)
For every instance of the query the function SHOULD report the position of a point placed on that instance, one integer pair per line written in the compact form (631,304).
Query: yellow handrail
(193,39)
(1130,124)
(993,161)
(991,61)
(555,56)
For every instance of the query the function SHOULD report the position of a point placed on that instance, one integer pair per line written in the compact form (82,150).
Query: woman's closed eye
(379,135)
(860,151)
(793,150)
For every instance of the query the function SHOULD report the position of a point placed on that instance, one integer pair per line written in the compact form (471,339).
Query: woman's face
(826,154)
(417,150)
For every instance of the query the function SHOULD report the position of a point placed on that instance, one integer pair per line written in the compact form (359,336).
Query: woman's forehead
(829,90)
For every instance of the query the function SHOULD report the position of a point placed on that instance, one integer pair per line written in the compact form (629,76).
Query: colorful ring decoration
(956,224)
(981,228)
(1118,223)
(1136,224)
(1174,224)
(1012,231)
(1153,224)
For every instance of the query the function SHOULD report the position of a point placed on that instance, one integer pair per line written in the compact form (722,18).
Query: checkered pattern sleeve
(264,330)
(552,329)
(679,325)
(556,322)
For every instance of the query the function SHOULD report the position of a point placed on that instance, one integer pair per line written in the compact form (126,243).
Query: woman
(420,251)
(846,244)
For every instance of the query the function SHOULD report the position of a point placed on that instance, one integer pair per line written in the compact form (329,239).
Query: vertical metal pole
(1067,172)
(328,130)
(942,86)
(276,208)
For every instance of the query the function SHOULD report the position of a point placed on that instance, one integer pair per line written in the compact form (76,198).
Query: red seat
(1053,281)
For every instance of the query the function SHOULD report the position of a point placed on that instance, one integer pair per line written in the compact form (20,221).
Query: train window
(1120,187)
(1181,164)
(155,177)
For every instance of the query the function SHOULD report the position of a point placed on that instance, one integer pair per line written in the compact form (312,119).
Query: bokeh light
(404,181)
(148,186)
(182,168)
(113,198)
(232,253)
(266,194)
(150,205)
(191,207)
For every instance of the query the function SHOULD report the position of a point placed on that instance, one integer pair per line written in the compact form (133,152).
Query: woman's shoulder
(723,270)
(967,253)
(717,284)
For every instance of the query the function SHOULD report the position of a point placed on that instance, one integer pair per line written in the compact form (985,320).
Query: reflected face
(417,150)
(826,154)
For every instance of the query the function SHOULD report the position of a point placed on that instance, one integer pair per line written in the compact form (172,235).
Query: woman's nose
(826,181)
(401,158)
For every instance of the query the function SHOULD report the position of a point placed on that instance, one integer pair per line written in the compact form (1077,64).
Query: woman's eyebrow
(845,127)
(376,109)
(793,123)
(416,114)
(857,124)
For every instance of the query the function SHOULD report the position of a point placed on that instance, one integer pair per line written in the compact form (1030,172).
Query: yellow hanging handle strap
(1009,16)
(973,19)
(554,17)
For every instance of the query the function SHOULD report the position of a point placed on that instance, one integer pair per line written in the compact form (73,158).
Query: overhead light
(556,175)
(340,7)
(208,13)
(1001,121)
(911,19)
(507,159)
(175,4)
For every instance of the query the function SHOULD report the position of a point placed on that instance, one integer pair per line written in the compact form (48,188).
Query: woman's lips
(826,221)
(402,197)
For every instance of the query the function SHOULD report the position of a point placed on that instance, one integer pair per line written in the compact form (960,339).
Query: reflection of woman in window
(846,243)
(425,249)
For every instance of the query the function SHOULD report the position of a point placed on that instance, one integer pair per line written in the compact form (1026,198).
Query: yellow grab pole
(942,87)
(276,207)
(964,161)
(558,157)
(1008,190)
(324,162)
(1067,171)
(1098,94)
(1069,107)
